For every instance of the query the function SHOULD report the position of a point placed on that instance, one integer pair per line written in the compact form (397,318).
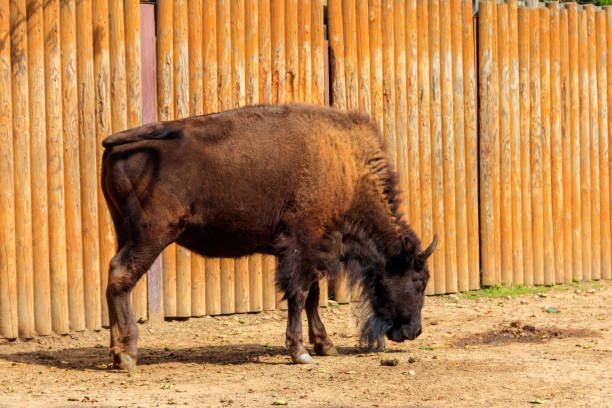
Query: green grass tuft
(499,291)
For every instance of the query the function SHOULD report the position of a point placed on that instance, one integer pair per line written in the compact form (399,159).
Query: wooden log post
(471,145)
(585,145)
(488,119)
(574,103)
(549,260)
(72,175)
(437,161)
(304,52)
(38,155)
(608,30)
(602,123)
(515,145)
(363,54)
(21,167)
(525,143)
(496,151)
(556,143)
(349,21)
(594,146)
(456,15)
(8,272)
(414,191)
(505,180)
(55,169)
(566,131)
(376,72)
(291,50)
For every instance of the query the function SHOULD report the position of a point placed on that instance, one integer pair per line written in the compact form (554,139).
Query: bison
(309,184)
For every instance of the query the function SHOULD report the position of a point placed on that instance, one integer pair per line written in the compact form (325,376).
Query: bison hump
(154,131)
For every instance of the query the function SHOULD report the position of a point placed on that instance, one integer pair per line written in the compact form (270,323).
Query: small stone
(412,360)
(389,362)
(591,291)
(412,372)
(542,295)
(524,302)
(453,297)
(509,297)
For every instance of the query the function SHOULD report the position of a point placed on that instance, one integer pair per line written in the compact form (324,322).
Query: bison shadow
(98,358)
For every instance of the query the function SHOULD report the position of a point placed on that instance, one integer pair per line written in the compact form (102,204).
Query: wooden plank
(72,175)
(505,180)
(304,51)
(556,142)
(319,68)
(537,196)
(456,15)
(388,75)
(134,117)
(165,111)
(567,147)
(349,21)
(376,72)
(602,123)
(496,154)
(448,147)
(608,273)
(265,96)
(515,144)
(38,154)
(8,273)
(277,39)
(436,147)
(525,144)
(595,257)
(401,110)
(363,54)
(102,79)
(574,104)
(425,169)
(471,145)
(55,170)
(488,119)
(585,145)
(291,50)
(21,166)
(412,105)
(545,120)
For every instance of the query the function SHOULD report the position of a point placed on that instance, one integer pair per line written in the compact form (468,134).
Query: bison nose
(411,331)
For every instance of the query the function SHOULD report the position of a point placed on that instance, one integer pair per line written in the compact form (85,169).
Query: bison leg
(294,343)
(130,263)
(317,335)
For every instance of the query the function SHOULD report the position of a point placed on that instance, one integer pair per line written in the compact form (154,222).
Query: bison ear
(407,244)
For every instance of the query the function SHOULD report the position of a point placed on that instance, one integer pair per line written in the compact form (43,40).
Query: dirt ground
(473,353)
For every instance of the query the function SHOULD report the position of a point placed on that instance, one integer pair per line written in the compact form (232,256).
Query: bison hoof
(323,350)
(303,359)
(124,361)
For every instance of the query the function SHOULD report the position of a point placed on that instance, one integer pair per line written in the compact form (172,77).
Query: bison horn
(426,253)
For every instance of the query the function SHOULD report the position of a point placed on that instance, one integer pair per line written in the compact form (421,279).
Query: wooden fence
(521,193)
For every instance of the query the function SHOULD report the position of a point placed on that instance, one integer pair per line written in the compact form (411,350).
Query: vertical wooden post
(574,103)
(376,72)
(401,112)
(545,120)
(567,147)
(21,167)
(608,25)
(102,79)
(388,75)
(556,142)
(496,151)
(585,145)
(265,96)
(414,191)
(595,257)
(525,143)
(165,109)
(134,117)
(291,50)
(350,54)
(55,169)
(425,168)
(277,38)
(224,61)
(488,119)
(304,52)
(210,102)
(537,197)
(436,146)
(515,144)
(471,145)
(505,180)
(8,275)
(363,55)
(456,16)
(38,155)
(72,175)
(448,147)
(602,123)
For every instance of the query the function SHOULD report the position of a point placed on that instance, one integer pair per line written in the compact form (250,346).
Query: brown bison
(308,184)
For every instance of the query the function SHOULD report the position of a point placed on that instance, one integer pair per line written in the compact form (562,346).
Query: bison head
(395,296)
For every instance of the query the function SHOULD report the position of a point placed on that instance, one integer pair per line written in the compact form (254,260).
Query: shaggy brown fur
(309,184)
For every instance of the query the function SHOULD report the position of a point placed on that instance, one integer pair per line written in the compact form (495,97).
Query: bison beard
(309,184)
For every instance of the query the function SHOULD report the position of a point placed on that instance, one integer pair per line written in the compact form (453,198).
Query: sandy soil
(486,353)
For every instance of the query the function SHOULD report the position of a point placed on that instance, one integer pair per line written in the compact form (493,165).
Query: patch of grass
(499,291)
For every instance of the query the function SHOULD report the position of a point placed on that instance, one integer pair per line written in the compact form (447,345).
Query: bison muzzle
(309,184)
